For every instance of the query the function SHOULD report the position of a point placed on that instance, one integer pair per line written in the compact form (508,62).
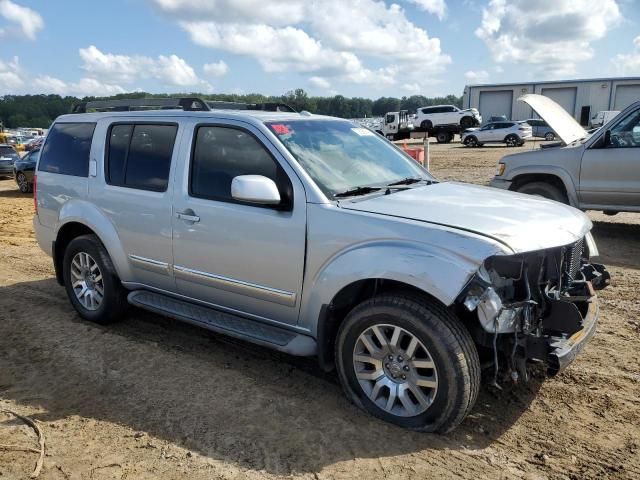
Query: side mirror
(607,138)
(255,189)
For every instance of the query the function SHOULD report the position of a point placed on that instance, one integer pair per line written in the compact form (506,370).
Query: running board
(226,323)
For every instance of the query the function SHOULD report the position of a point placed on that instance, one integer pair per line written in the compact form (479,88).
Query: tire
(512,140)
(443,137)
(471,141)
(113,304)
(448,345)
(466,122)
(23,183)
(426,125)
(549,136)
(544,189)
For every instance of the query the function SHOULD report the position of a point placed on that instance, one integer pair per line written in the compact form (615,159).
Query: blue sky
(367,48)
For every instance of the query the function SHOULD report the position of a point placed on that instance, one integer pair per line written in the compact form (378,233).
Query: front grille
(573,258)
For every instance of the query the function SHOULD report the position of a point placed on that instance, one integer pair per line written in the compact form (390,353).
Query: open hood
(557,117)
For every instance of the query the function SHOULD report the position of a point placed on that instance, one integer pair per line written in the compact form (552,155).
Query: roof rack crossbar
(266,106)
(124,105)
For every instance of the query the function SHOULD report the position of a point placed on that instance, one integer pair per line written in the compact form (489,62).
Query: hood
(557,117)
(521,222)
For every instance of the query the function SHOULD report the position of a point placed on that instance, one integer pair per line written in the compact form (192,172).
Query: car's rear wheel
(91,281)
(471,141)
(512,141)
(426,125)
(408,361)
(549,136)
(23,183)
(443,137)
(544,189)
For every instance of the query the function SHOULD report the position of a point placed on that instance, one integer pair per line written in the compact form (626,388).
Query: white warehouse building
(581,98)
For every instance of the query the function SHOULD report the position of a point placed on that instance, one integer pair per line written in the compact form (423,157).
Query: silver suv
(315,236)
(597,171)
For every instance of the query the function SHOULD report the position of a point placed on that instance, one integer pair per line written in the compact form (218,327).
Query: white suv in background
(440,115)
(513,134)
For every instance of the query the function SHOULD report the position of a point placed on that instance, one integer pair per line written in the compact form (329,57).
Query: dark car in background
(23,170)
(8,157)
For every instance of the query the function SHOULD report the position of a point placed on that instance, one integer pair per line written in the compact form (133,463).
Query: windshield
(340,155)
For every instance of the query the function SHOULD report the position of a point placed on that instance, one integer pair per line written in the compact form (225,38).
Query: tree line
(40,110)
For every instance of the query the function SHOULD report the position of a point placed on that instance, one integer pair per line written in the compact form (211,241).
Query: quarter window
(67,149)
(222,153)
(139,156)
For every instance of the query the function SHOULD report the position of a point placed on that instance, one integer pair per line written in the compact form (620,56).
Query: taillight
(35,194)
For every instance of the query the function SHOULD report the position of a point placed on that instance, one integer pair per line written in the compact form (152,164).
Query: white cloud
(84,87)
(319,82)
(477,76)
(553,35)
(322,37)
(411,88)
(217,69)
(436,7)
(11,76)
(24,22)
(629,63)
(170,70)
(272,12)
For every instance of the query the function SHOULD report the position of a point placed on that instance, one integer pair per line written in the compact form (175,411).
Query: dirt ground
(152,398)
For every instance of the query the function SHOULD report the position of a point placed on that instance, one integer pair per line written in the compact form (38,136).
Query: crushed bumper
(563,351)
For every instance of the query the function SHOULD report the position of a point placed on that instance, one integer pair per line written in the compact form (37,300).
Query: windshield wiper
(409,181)
(357,191)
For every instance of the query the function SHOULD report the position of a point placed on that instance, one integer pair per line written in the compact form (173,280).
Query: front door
(241,257)
(610,172)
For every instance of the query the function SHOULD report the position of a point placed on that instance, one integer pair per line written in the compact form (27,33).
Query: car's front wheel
(544,189)
(23,183)
(549,136)
(91,281)
(471,141)
(408,361)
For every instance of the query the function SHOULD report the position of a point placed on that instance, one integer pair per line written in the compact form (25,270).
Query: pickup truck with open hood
(598,171)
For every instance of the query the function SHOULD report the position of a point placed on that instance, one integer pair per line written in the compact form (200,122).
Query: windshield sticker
(363,132)
(280,129)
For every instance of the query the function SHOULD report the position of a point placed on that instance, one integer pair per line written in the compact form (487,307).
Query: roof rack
(190,104)
(266,107)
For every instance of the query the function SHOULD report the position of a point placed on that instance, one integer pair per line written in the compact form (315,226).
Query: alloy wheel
(23,184)
(395,370)
(87,281)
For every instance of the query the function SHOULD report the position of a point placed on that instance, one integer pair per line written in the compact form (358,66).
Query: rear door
(610,171)
(133,190)
(242,257)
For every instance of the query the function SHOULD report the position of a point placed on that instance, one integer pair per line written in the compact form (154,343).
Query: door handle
(188,216)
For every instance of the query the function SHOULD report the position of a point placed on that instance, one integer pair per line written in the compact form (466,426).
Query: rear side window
(67,148)
(222,153)
(139,156)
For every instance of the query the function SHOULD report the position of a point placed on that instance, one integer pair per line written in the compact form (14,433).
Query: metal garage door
(565,97)
(626,95)
(495,104)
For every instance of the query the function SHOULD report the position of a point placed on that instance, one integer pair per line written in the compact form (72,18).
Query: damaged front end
(538,305)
